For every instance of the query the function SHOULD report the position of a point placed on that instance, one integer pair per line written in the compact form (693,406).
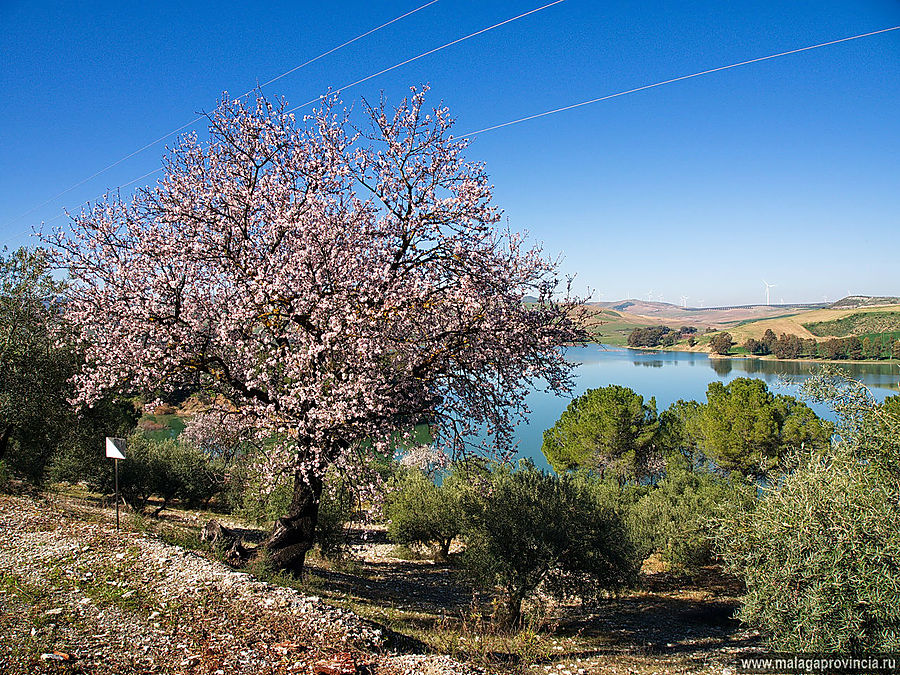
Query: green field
(868,323)
(611,328)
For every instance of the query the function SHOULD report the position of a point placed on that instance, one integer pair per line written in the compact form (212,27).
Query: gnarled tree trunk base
(230,543)
(294,534)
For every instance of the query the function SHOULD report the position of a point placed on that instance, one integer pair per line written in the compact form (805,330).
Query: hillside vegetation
(608,326)
(856,324)
(803,324)
(856,316)
(859,301)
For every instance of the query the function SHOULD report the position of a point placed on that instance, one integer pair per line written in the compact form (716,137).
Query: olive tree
(33,371)
(37,361)
(676,518)
(534,529)
(819,552)
(422,511)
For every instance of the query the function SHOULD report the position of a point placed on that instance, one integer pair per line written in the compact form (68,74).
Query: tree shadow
(422,587)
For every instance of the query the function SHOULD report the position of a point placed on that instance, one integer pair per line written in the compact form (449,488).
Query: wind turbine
(684,300)
(768,286)
(649,295)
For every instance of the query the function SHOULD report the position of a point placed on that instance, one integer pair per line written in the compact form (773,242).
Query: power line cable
(430,52)
(678,79)
(318,98)
(341,46)
(116,189)
(197,119)
(583,103)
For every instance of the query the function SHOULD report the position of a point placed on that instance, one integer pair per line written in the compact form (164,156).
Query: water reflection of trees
(883,375)
(721,366)
(651,364)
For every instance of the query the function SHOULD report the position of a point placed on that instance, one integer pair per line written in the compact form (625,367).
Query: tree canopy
(37,361)
(335,286)
(605,429)
(819,551)
(537,529)
(423,512)
(745,427)
(721,343)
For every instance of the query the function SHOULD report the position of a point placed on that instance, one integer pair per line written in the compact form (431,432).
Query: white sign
(115,448)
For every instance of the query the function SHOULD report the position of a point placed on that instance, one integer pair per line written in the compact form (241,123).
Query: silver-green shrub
(819,551)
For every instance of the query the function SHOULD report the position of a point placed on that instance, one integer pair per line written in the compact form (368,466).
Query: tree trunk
(227,541)
(513,615)
(443,552)
(4,440)
(161,508)
(294,534)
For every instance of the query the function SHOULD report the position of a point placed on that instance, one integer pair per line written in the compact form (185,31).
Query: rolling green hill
(856,324)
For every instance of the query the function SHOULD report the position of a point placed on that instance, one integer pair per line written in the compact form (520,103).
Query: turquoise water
(670,376)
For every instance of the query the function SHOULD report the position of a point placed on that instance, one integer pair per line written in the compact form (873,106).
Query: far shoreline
(767,357)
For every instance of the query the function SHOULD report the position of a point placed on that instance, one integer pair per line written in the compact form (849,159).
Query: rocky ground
(78,597)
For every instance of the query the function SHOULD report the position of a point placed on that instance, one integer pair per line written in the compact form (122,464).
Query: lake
(670,376)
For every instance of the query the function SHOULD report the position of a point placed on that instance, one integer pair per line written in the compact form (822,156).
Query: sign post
(115,448)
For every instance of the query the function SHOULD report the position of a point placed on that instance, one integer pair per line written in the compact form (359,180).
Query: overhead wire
(677,79)
(200,117)
(341,46)
(429,53)
(582,103)
(318,98)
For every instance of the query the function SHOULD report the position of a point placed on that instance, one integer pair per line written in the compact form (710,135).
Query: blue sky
(786,170)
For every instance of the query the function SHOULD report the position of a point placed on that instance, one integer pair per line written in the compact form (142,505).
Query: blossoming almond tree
(335,286)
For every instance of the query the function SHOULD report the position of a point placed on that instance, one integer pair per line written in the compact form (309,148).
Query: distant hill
(857,323)
(824,323)
(612,322)
(856,301)
(642,312)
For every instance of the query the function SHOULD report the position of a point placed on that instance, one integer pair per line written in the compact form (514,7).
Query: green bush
(535,530)
(676,518)
(612,496)
(167,469)
(80,456)
(820,551)
(820,555)
(424,513)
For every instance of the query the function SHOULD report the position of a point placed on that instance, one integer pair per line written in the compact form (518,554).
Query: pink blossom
(333,285)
